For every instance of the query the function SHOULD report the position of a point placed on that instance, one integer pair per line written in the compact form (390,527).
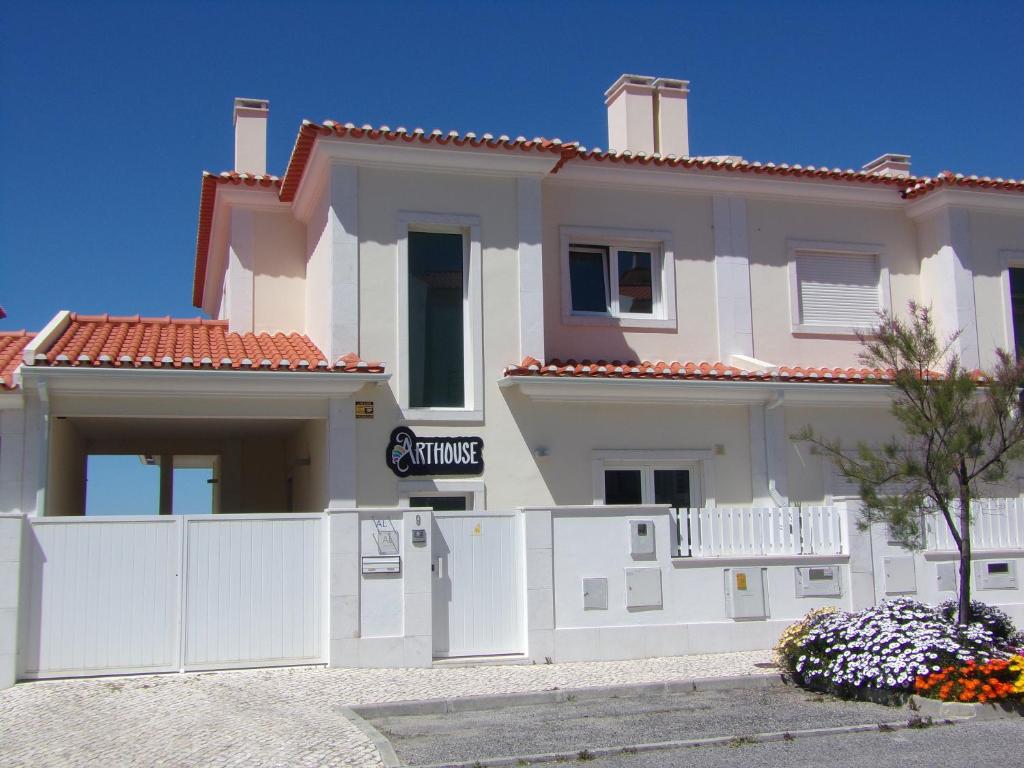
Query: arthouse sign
(408,454)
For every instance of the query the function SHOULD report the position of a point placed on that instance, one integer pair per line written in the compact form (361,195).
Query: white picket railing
(995,524)
(756,532)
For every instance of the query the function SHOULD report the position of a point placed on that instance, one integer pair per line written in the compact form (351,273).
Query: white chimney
(890,164)
(648,115)
(251,135)
(672,136)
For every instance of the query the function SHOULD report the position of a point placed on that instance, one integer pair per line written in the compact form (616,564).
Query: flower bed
(995,680)
(883,652)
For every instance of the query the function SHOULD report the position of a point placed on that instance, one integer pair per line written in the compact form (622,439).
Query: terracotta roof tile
(164,342)
(907,187)
(12,344)
(617,369)
(921,187)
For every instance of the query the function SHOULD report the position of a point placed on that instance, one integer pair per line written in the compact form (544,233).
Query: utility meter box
(641,538)
(947,577)
(900,578)
(643,587)
(818,581)
(595,594)
(996,574)
(746,593)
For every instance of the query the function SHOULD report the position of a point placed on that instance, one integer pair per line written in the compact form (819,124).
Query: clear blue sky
(110,111)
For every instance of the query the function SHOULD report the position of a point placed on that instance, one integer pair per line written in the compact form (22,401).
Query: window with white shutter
(835,290)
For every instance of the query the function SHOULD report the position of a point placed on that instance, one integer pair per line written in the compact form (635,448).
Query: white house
(552,347)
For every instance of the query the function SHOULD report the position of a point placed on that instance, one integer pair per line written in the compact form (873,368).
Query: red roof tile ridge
(138,319)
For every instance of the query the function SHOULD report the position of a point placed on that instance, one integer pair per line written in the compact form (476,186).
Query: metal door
(478,584)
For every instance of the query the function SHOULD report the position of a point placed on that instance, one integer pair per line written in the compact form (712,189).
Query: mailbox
(381,564)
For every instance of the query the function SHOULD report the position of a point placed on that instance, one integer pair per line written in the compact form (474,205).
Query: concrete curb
(715,741)
(383,746)
(956,710)
(559,695)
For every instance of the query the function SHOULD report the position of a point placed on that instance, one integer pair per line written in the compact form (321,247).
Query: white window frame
(698,462)
(795,247)
(663,277)
(473,490)
(1008,259)
(467,225)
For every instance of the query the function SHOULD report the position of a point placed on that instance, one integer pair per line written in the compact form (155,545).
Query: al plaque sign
(409,455)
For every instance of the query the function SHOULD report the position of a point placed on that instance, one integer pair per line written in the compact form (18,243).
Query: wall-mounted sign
(364,409)
(408,454)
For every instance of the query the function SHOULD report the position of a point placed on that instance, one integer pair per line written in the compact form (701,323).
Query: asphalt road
(573,726)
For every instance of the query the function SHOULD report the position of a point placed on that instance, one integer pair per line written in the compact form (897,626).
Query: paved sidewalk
(274,717)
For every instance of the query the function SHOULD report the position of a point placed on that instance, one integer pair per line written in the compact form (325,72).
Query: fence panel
(995,524)
(757,531)
(255,591)
(102,596)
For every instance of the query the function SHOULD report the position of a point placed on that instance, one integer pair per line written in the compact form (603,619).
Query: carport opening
(154,466)
(131,485)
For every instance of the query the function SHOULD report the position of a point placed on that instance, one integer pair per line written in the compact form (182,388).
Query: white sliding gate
(156,594)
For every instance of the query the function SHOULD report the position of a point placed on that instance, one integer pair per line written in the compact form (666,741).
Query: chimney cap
(251,107)
(633,82)
(891,162)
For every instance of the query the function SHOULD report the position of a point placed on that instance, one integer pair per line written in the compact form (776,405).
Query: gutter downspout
(44,448)
(770,456)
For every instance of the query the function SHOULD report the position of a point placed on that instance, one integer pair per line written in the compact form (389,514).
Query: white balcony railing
(760,532)
(995,524)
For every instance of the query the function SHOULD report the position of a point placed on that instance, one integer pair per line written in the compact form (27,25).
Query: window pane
(587,281)
(622,486)
(436,355)
(439,503)
(672,487)
(636,291)
(1017,304)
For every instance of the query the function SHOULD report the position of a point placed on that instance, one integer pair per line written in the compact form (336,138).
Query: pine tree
(960,429)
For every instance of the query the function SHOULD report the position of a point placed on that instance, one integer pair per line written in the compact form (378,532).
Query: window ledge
(434,415)
(830,330)
(620,322)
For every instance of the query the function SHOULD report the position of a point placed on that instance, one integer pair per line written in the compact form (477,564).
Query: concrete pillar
(341,454)
(540,594)
(343,532)
(862,571)
(531,278)
(166,484)
(418,590)
(12,527)
(12,458)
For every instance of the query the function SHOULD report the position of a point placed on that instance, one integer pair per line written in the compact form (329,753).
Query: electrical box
(643,587)
(996,574)
(818,581)
(641,538)
(900,578)
(947,577)
(595,594)
(746,593)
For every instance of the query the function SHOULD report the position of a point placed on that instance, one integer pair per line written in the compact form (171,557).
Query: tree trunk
(964,613)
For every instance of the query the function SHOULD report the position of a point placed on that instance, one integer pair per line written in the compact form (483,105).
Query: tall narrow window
(436,320)
(1017,307)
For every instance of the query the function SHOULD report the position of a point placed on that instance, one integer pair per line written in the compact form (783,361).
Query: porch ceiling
(105,429)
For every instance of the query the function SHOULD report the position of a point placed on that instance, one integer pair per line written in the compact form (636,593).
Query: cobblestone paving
(273,717)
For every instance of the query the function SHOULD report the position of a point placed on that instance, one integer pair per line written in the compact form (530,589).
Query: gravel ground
(576,725)
(272,718)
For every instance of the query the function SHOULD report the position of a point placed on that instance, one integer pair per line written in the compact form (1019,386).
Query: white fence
(995,524)
(148,594)
(753,531)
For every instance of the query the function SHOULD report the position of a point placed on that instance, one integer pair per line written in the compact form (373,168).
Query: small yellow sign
(476,530)
(364,409)
(741,581)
